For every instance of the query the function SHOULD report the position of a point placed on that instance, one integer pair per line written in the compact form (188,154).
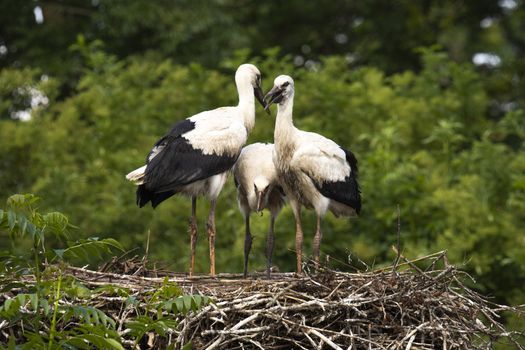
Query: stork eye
(285,84)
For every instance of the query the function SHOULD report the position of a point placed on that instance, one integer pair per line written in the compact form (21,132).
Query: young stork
(194,158)
(314,171)
(258,189)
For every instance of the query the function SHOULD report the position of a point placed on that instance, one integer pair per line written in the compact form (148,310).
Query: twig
(398,243)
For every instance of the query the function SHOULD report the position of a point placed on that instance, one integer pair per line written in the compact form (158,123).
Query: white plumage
(257,189)
(195,156)
(314,171)
(221,131)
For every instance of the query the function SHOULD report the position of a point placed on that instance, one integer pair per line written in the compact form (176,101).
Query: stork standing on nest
(258,189)
(313,170)
(194,158)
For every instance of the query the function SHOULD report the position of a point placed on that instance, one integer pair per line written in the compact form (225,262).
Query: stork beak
(274,95)
(260,197)
(257,91)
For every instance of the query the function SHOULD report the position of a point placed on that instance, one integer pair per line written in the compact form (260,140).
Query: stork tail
(137,175)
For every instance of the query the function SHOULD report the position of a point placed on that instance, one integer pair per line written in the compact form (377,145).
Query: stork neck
(284,123)
(246,102)
(284,118)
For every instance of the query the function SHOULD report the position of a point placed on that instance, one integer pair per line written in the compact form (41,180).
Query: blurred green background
(430,95)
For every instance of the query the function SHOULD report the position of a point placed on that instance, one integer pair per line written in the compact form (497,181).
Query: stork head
(261,186)
(250,73)
(283,89)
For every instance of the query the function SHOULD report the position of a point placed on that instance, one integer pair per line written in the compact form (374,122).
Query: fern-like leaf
(88,248)
(186,303)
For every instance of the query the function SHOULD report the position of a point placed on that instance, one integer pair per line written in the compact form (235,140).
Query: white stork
(313,170)
(258,189)
(195,156)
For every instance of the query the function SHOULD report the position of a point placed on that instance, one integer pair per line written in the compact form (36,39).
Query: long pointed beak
(257,91)
(272,96)
(260,198)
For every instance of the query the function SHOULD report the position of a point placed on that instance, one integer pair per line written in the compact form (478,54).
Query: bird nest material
(418,304)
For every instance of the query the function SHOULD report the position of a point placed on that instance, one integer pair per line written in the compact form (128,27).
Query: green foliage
(58,311)
(21,220)
(88,336)
(143,324)
(185,303)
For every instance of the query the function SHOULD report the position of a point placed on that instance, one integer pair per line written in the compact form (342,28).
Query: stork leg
(296,207)
(317,241)
(193,232)
(211,236)
(247,244)
(269,246)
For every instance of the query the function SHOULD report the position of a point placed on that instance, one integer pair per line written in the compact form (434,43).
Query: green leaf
(89,248)
(22,298)
(7,304)
(11,220)
(95,317)
(113,344)
(179,303)
(131,300)
(31,228)
(56,223)
(22,223)
(90,316)
(45,306)
(34,301)
(187,302)
(19,200)
(59,252)
(98,341)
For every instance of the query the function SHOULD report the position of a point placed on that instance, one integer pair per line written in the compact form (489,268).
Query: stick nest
(418,304)
(384,309)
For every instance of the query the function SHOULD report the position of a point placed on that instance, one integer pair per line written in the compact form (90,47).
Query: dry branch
(419,307)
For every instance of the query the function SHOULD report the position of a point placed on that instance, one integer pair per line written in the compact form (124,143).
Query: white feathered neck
(285,131)
(243,80)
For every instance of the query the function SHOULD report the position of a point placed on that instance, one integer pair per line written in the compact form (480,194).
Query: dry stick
(398,244)
(411,263)
(422,258)
(234,328)
(145,258)
(412,335)
(325,339)
(439,257)
(310,340)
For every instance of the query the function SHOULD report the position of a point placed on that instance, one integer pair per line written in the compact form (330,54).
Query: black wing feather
(346,191)
(178,164)
(177,130)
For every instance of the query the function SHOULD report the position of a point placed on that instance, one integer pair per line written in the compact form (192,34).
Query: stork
(258,189)
(314,171)
(194,157)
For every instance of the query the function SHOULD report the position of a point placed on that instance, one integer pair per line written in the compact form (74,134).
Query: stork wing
(321,159)
(177,161)
(332,169)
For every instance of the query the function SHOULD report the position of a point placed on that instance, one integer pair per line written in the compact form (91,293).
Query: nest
(384,309)
(418,304)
